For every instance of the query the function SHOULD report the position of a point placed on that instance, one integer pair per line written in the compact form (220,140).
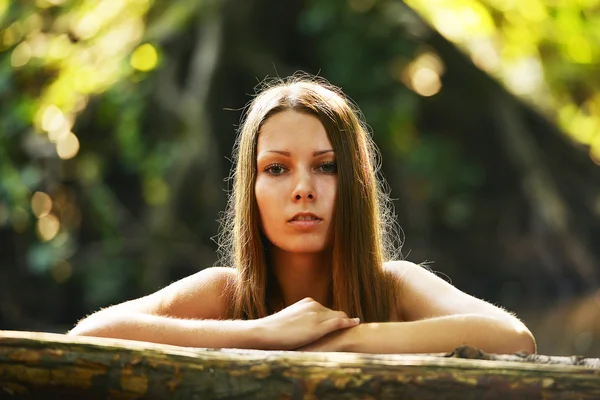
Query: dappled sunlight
(524,77)
(584,122)
(460,19)
(58,55)
(84,50)
(484,54)
(542,50)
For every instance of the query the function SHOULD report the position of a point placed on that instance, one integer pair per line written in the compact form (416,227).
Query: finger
(335,324)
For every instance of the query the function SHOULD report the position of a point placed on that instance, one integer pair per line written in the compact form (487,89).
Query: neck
(301,275)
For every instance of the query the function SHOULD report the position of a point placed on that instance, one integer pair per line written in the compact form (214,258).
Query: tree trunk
(42,365)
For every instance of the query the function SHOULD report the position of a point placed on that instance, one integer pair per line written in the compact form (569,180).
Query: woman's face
(296,182)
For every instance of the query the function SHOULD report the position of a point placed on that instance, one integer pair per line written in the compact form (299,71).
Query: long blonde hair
(364,227)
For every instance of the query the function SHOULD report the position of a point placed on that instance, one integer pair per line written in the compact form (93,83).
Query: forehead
(290,130)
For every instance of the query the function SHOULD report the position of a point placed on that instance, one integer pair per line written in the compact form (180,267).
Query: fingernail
(357,320)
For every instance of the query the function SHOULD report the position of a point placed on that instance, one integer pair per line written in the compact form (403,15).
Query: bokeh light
(144,58)
(423,74)
(53,119)
(11,35)
(86,26)
(41,204)
(48,227)
(426,82)
(20,55)
(33,23)
(68,146)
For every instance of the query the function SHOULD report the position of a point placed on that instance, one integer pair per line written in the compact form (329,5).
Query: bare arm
(437,335)
(167,330)
(192,312)
(438,318)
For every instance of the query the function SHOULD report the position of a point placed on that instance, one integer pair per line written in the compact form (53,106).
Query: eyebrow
(288,154)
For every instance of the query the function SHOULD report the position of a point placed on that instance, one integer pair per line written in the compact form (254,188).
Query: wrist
(258,336)
(351,338)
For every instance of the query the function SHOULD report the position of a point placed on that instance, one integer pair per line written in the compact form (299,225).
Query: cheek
(265,199)
(329,192)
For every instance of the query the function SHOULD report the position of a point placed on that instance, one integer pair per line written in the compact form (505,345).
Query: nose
(304,189)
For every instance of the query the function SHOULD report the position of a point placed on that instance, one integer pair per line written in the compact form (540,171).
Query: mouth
(305,218)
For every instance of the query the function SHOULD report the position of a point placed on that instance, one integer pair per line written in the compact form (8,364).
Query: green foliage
(72,85)
(545,51)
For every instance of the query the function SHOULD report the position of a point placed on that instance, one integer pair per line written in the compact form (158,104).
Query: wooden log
(43,365)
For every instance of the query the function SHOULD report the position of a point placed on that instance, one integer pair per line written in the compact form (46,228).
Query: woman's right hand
(300,324)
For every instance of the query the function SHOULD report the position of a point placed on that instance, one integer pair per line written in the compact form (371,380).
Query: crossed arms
(192,312)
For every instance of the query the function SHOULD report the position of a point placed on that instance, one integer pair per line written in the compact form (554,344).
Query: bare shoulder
(203,295)
(402,272)
(421,293)
(409,276)
(397,268)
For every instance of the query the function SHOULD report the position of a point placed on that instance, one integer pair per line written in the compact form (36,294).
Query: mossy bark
(42,365)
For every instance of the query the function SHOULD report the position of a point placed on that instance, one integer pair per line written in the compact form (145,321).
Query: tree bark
(42,365)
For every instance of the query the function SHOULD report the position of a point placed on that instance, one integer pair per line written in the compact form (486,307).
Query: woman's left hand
(334,341)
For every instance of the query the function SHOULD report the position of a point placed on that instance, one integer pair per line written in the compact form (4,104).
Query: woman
(308,231)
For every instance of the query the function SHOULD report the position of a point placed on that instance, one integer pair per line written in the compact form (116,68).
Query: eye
(274,169)
(328,167)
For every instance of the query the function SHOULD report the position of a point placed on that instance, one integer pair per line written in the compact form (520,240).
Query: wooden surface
(42,365)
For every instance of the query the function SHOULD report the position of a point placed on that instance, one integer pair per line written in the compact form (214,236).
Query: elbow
(78,330)
(98,325)
(83,328)
(510,337)
(519,340)
(525,342)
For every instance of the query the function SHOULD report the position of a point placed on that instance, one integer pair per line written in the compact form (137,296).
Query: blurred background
(117,120)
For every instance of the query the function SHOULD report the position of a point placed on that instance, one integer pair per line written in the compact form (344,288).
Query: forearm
(178,332)
(441,334)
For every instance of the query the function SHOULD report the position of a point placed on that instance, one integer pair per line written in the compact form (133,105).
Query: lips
(305,217)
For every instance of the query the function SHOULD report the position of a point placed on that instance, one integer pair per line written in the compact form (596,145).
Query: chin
(307,250)
(304,247)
